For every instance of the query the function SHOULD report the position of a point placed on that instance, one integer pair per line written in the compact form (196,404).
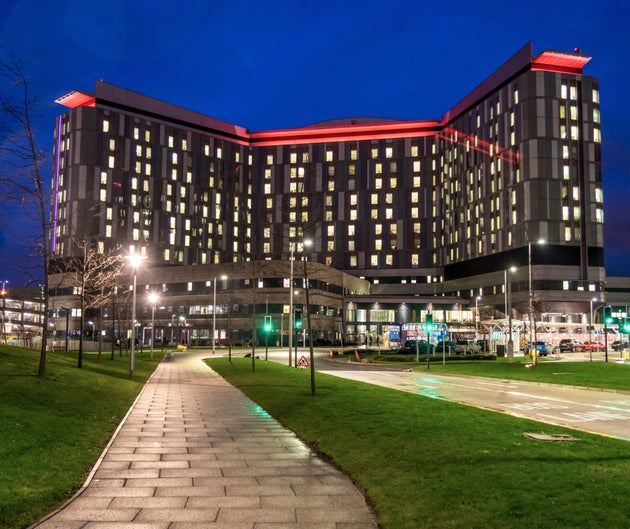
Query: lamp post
(153,297)
(590,329)
(477,316)
(92,324)
(4,297)
(135,260)
(290,326)
(508,310)
(307,243)
(214,312)
(532,345)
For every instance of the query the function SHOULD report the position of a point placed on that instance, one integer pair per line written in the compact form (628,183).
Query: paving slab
(193,452)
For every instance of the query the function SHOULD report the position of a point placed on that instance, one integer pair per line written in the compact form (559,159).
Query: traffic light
(608,319)
(429,322)
(267,323)
(625,327)
(297,322)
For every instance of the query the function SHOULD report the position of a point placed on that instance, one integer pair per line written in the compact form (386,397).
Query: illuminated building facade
(431,211)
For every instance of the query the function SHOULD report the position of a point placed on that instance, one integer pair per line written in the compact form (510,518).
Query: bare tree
(22,163)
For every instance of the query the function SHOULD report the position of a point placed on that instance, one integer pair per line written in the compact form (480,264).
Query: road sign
(303,363)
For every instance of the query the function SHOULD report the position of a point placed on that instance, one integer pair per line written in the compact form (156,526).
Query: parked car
(541,348)
(466,347)
(569,345)
(424,347)
(618,345)
(447,346)
(594,346)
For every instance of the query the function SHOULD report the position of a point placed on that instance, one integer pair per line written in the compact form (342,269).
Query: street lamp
(135,260)
(590,330)
(92,324)
(214,311)
(153,298)
(292,245)
(508,310)
(477,316)
(4,297)
(531,299)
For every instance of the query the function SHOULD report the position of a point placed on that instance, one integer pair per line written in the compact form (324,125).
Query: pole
(133,326)
(214,314)
(152,328)
(532,346)
(291,320)
(590,332)
(508,309)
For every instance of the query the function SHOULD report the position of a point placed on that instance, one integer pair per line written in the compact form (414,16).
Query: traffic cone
(356,355)
(331,354)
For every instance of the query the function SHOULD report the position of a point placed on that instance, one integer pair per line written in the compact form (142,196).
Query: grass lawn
(590,374)
(54,428)
(427,463)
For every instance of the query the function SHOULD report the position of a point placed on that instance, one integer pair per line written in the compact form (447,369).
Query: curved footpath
(194,452)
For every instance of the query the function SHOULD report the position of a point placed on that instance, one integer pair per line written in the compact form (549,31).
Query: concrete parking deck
(194,452)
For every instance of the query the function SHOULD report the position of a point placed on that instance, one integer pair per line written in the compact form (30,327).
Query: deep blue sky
(267,64)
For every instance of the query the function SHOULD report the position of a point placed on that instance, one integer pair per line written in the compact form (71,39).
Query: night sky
(268,64)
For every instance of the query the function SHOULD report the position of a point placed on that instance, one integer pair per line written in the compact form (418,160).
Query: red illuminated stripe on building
(560,62)
(76,99)
(394,129)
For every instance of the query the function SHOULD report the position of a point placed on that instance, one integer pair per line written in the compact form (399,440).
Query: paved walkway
(194,452)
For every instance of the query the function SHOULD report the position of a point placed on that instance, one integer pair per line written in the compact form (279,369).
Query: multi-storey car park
(494,210)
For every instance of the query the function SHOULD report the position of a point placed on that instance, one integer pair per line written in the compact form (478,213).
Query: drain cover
(550,437)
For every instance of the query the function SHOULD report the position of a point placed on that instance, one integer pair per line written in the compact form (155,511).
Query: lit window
(389,152)
(599,215)
(219,152)
(378,168)
(112,144)
(111,162)
(171,141)
(595,95)
(563,91)
(353,154)
(184,145)
(270,159)
(147,135)
(567,233)
(574,132)
(596,115)
(374,260)
(329,155)
(565,212)
(105,125)
(597,135)
(374,152)
(416,166)
(103,195)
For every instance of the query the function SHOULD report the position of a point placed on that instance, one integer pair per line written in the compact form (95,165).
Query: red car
(594,346)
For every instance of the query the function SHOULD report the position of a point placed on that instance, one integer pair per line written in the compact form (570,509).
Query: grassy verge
(427,463)
(54,428)
(589,374)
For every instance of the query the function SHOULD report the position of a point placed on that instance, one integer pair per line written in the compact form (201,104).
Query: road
(596,411)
